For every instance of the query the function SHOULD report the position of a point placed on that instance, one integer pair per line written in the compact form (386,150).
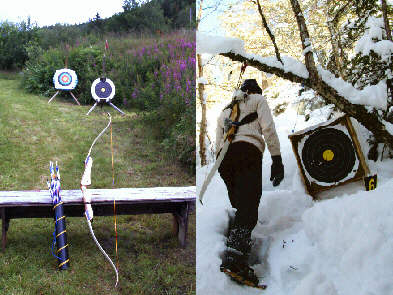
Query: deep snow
(342,245)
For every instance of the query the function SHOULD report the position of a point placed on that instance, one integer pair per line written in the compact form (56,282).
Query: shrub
(39,71)
(13,38)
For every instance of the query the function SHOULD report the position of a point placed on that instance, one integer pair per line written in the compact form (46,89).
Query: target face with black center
(102,89)
(328,155)
(65,79)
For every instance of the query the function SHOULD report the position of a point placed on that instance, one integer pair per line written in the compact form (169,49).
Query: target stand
(65,80)
(103,91)
(329,155)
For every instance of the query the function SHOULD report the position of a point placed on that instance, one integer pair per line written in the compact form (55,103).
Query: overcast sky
(50,12)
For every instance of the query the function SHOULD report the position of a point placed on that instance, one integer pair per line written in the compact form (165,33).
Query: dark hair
(251,86)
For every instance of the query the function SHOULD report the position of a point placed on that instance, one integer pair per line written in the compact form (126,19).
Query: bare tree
(332,18)
(201,91)
(269,32)
(371,120)
(386,20)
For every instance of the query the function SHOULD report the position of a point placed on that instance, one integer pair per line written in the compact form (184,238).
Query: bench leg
(181,218)
(4,228)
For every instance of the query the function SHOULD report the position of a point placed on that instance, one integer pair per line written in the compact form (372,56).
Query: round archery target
(328,156)
(103,89)
(65,79)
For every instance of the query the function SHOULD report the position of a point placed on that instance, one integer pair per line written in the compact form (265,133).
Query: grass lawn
(33,132)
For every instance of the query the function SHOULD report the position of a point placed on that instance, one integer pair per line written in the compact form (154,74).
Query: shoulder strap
(248,119)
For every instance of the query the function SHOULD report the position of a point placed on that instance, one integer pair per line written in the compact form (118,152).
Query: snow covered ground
(342,245)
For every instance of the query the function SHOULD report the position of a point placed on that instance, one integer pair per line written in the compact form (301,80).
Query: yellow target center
(328,155)
(102,89)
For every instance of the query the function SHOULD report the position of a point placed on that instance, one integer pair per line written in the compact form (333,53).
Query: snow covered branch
(354,102)
(331,89)
(293,71)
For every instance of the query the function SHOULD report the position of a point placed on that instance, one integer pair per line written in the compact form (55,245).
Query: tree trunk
(389,82)
(202,130)
(199,14)
(306,42)
(269,32)
(201,92)
(386,20)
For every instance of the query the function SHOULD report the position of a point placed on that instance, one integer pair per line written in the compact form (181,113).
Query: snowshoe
(235,259)
(242,274)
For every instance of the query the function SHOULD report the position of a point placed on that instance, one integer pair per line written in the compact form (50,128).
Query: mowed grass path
(33,132)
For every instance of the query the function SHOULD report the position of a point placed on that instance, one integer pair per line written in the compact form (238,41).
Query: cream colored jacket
(256,132)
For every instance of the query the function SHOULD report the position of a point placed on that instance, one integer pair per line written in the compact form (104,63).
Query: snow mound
(339,246)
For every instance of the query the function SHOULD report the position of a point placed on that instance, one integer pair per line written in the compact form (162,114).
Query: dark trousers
(241,170)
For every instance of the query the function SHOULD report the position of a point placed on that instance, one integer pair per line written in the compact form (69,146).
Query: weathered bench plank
(179,201)
(170,194)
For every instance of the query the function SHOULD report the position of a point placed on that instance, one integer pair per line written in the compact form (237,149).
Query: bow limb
(102,250)
(85,182)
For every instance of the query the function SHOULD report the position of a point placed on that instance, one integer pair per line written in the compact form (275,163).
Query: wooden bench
(179,201)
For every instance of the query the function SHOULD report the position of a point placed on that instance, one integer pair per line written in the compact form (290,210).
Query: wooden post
(3,231)
(74,98)
(182,225)
(358,147)
(54,96)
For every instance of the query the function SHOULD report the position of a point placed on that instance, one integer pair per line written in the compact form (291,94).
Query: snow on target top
(103,89)
(373,95)
(65,79)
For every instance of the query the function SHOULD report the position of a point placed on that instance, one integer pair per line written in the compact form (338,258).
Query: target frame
(65,79)
(313,185)
(103,89)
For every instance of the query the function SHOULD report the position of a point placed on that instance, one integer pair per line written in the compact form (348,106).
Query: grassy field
(33,132)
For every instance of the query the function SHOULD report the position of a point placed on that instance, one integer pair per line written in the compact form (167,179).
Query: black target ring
(328,155)
(103,90)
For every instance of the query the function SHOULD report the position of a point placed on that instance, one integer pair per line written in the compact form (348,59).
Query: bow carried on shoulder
(85,182)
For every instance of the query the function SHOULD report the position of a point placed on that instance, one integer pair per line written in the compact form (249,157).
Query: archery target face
(328,156)
(103,90)
(65,79)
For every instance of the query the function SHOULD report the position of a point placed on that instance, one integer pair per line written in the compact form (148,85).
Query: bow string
(85,182)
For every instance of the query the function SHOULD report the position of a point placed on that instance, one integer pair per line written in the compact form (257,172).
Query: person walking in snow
(241,170)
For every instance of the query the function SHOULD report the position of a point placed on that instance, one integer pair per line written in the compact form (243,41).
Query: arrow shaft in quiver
(61,236)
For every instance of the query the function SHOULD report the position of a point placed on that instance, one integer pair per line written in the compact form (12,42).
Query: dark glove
(277,170)
(228,123)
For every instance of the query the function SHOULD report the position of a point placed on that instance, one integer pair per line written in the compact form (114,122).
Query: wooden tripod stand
(73,96)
